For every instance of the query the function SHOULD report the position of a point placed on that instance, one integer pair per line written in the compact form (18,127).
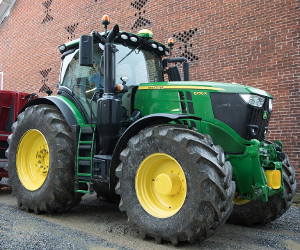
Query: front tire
(258,212)
(41,160)
(174,184)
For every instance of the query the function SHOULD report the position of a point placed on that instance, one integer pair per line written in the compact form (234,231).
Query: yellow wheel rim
(160,185)
(239,201)
(32,160)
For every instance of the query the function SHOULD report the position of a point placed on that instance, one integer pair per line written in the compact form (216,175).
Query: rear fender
(65,108)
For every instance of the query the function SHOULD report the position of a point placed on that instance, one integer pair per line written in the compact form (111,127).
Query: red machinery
(11,103)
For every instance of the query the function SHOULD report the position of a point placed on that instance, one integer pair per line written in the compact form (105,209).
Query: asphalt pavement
(96,224)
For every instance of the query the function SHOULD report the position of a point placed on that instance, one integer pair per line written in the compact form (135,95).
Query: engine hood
(204,85)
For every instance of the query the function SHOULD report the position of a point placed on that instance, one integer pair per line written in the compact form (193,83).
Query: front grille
(243,118)
(256,119)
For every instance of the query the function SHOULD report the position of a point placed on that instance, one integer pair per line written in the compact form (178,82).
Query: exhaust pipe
(109,105)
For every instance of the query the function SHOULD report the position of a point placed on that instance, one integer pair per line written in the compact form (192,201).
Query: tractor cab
(138,59)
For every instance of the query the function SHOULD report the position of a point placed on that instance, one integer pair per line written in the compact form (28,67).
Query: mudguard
(64,108)
(135,128)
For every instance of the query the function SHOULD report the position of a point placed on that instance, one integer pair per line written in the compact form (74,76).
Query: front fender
(135,128)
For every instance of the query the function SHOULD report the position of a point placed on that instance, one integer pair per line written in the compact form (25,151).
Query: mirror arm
(179,59)
(98,38)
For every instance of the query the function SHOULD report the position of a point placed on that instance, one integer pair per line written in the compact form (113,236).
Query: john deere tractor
(180,156)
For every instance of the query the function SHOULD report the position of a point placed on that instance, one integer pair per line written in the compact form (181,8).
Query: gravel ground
(95,224)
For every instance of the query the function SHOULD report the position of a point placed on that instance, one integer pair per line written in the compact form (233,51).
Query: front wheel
(41,160)
(258,212)
(174,184)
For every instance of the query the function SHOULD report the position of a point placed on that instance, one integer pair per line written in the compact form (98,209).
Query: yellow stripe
(179,87)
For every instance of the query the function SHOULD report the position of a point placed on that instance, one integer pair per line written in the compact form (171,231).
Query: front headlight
(253,100)
(270,104)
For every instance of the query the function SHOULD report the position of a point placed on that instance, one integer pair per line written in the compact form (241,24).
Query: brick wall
(249,42)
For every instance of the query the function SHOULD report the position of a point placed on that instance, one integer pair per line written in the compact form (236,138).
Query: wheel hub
(167,184)
(32,159)
(160,185)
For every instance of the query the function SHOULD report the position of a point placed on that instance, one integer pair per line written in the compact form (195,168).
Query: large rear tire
(174,184)
(258,212)
(41,161)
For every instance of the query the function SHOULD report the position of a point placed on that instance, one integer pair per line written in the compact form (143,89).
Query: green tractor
(180,156)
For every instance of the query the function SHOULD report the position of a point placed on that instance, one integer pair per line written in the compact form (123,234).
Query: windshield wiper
(129,53)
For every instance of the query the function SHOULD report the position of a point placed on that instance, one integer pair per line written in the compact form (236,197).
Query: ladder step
(85,147)
(82,187)
(84,161)
(84,167)
(85,142)
(86,134)
(86,179)
(84,175)
(87,130)
(83,191)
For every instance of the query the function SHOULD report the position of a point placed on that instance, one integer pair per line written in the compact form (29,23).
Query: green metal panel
(150,102)
(249,159)
(224,136)
(249,170)
(164,97)
(209,86)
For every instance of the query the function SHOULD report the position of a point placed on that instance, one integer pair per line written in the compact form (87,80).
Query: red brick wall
(249,42)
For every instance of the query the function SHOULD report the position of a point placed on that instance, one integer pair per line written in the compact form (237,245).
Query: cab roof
(126,39)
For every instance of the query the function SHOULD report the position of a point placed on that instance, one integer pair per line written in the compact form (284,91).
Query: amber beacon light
(105,20)
(170,42)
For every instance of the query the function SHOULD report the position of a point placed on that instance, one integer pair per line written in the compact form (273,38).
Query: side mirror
(173,74)
(86,50)
(186,71)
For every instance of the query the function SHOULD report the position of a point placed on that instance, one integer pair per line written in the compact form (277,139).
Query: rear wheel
(258,212)
(174,184)
(41,160)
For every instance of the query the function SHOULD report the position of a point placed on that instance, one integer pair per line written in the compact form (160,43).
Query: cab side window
(84,81)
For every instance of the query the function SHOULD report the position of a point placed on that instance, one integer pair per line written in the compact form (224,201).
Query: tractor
(181,157)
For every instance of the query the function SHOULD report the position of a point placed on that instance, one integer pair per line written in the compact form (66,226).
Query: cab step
(84,159)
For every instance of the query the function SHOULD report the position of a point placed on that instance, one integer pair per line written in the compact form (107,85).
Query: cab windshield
(137,65)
